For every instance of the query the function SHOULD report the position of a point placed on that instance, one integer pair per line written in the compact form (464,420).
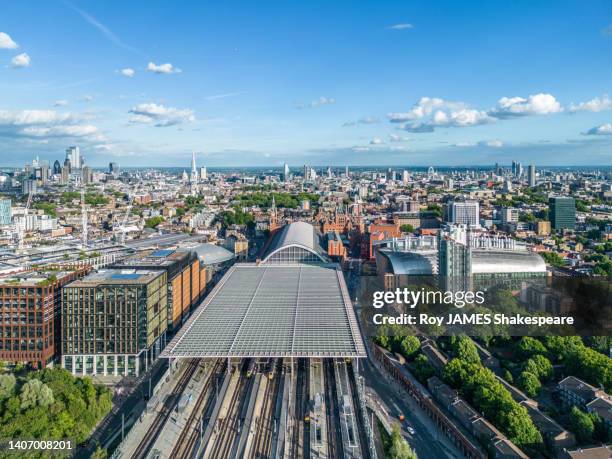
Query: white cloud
(20,61)
(598,104)
(363,120)
(87,98)
(44,124)
(491,143)
(60,103)
(402,26)
(464,144)
(33,117)
(6,42)
(360,148)
(166,68)
(397,138)
(376,141)
(318,102)
(160,116)
(77,130)
(604,129)
(536,104)
(431,112)
(127,72)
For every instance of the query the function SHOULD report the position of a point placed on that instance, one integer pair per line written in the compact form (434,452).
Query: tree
(423,370)
(153,222)
(99,453)
(409,346)
(465,349)
(407,228)
(530,383)
(528,346)
(539,366)
(399,448)
(34,392)
(508,377)
(552,258)
(582,425)
(7,386)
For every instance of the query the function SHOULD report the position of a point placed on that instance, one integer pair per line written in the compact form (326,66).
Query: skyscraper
(113,168)
(73,154)
(203,173)
(531,175)
(286,172)
(562,212)
(464,212)
(57,167)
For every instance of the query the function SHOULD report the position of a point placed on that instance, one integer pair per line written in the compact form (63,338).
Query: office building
(30,304)
(286,172)
(113,168)
(464,213)
(29,186)
(203,173)
(562,212)
(86,175)
(508,215)
(186,279)
(113,322)
(57,168)
(531,175)
(5,212)
(73,154)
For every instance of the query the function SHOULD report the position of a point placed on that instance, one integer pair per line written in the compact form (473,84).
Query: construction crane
(122,227)
(21,228)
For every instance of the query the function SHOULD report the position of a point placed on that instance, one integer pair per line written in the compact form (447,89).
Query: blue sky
(318,82)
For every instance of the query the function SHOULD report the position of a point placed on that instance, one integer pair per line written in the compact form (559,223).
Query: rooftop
(117,276)
(272,311)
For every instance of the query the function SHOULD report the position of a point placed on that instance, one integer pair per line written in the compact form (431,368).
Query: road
(427,441)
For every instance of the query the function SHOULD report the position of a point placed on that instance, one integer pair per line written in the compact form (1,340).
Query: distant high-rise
(194,172)
(286,172)
(73,154)
(86,175)
(465,213)
(405,177)
(203,173)
(5,212)
(531,175)
(562,212)
(113,168)
(346,171)
(329,172)
(57,167)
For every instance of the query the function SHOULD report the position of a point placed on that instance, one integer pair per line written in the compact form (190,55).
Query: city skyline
(261,85)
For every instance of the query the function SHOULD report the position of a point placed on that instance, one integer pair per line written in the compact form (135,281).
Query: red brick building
(30,304)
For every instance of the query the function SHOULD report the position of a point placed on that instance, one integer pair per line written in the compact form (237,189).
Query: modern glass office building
(114,321)
(562,212)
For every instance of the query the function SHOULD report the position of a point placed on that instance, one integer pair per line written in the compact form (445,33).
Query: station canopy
(273,310)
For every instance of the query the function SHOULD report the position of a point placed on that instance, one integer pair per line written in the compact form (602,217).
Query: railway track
(262,445)
(190,434)
(365,452)
(334,438)
(153,431)
(226,434)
